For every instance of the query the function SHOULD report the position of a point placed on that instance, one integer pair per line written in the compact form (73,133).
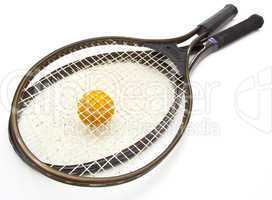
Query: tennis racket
(107,110)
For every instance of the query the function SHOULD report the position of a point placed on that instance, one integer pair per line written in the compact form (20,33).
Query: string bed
(147,92)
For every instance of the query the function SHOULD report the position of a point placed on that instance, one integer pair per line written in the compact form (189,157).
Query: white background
(225,153)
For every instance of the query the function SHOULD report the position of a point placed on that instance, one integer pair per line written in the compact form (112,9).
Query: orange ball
(95,108)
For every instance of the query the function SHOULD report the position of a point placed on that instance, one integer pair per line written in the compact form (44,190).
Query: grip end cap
(257,19)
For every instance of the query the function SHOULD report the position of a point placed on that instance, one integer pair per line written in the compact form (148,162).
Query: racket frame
(167,46)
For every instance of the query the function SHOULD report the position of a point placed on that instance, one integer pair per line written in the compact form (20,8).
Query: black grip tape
(219,19)
(239,30)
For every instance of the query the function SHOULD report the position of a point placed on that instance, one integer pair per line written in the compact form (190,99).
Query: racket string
(151,59)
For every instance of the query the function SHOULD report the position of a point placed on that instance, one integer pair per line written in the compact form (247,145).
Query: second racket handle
(237,31)
(218,20)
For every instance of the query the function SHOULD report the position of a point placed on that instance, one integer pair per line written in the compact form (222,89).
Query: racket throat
(209,47)
(173,52)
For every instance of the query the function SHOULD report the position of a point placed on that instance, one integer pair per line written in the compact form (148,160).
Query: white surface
(52,130)
(225,153)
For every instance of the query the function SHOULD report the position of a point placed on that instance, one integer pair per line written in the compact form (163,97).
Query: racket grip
(254,22)
(218,20)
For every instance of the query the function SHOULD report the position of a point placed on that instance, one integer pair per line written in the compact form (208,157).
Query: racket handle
(254,22)
(218,20)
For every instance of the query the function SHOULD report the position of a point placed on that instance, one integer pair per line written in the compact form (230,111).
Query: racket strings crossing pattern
(151,59)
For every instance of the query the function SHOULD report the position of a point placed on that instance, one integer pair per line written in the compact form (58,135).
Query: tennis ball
(95,108)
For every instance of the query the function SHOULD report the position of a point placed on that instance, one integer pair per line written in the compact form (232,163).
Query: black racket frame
(200,47)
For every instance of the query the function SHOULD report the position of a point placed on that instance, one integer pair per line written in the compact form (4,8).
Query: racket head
(176,61)
(168,62)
